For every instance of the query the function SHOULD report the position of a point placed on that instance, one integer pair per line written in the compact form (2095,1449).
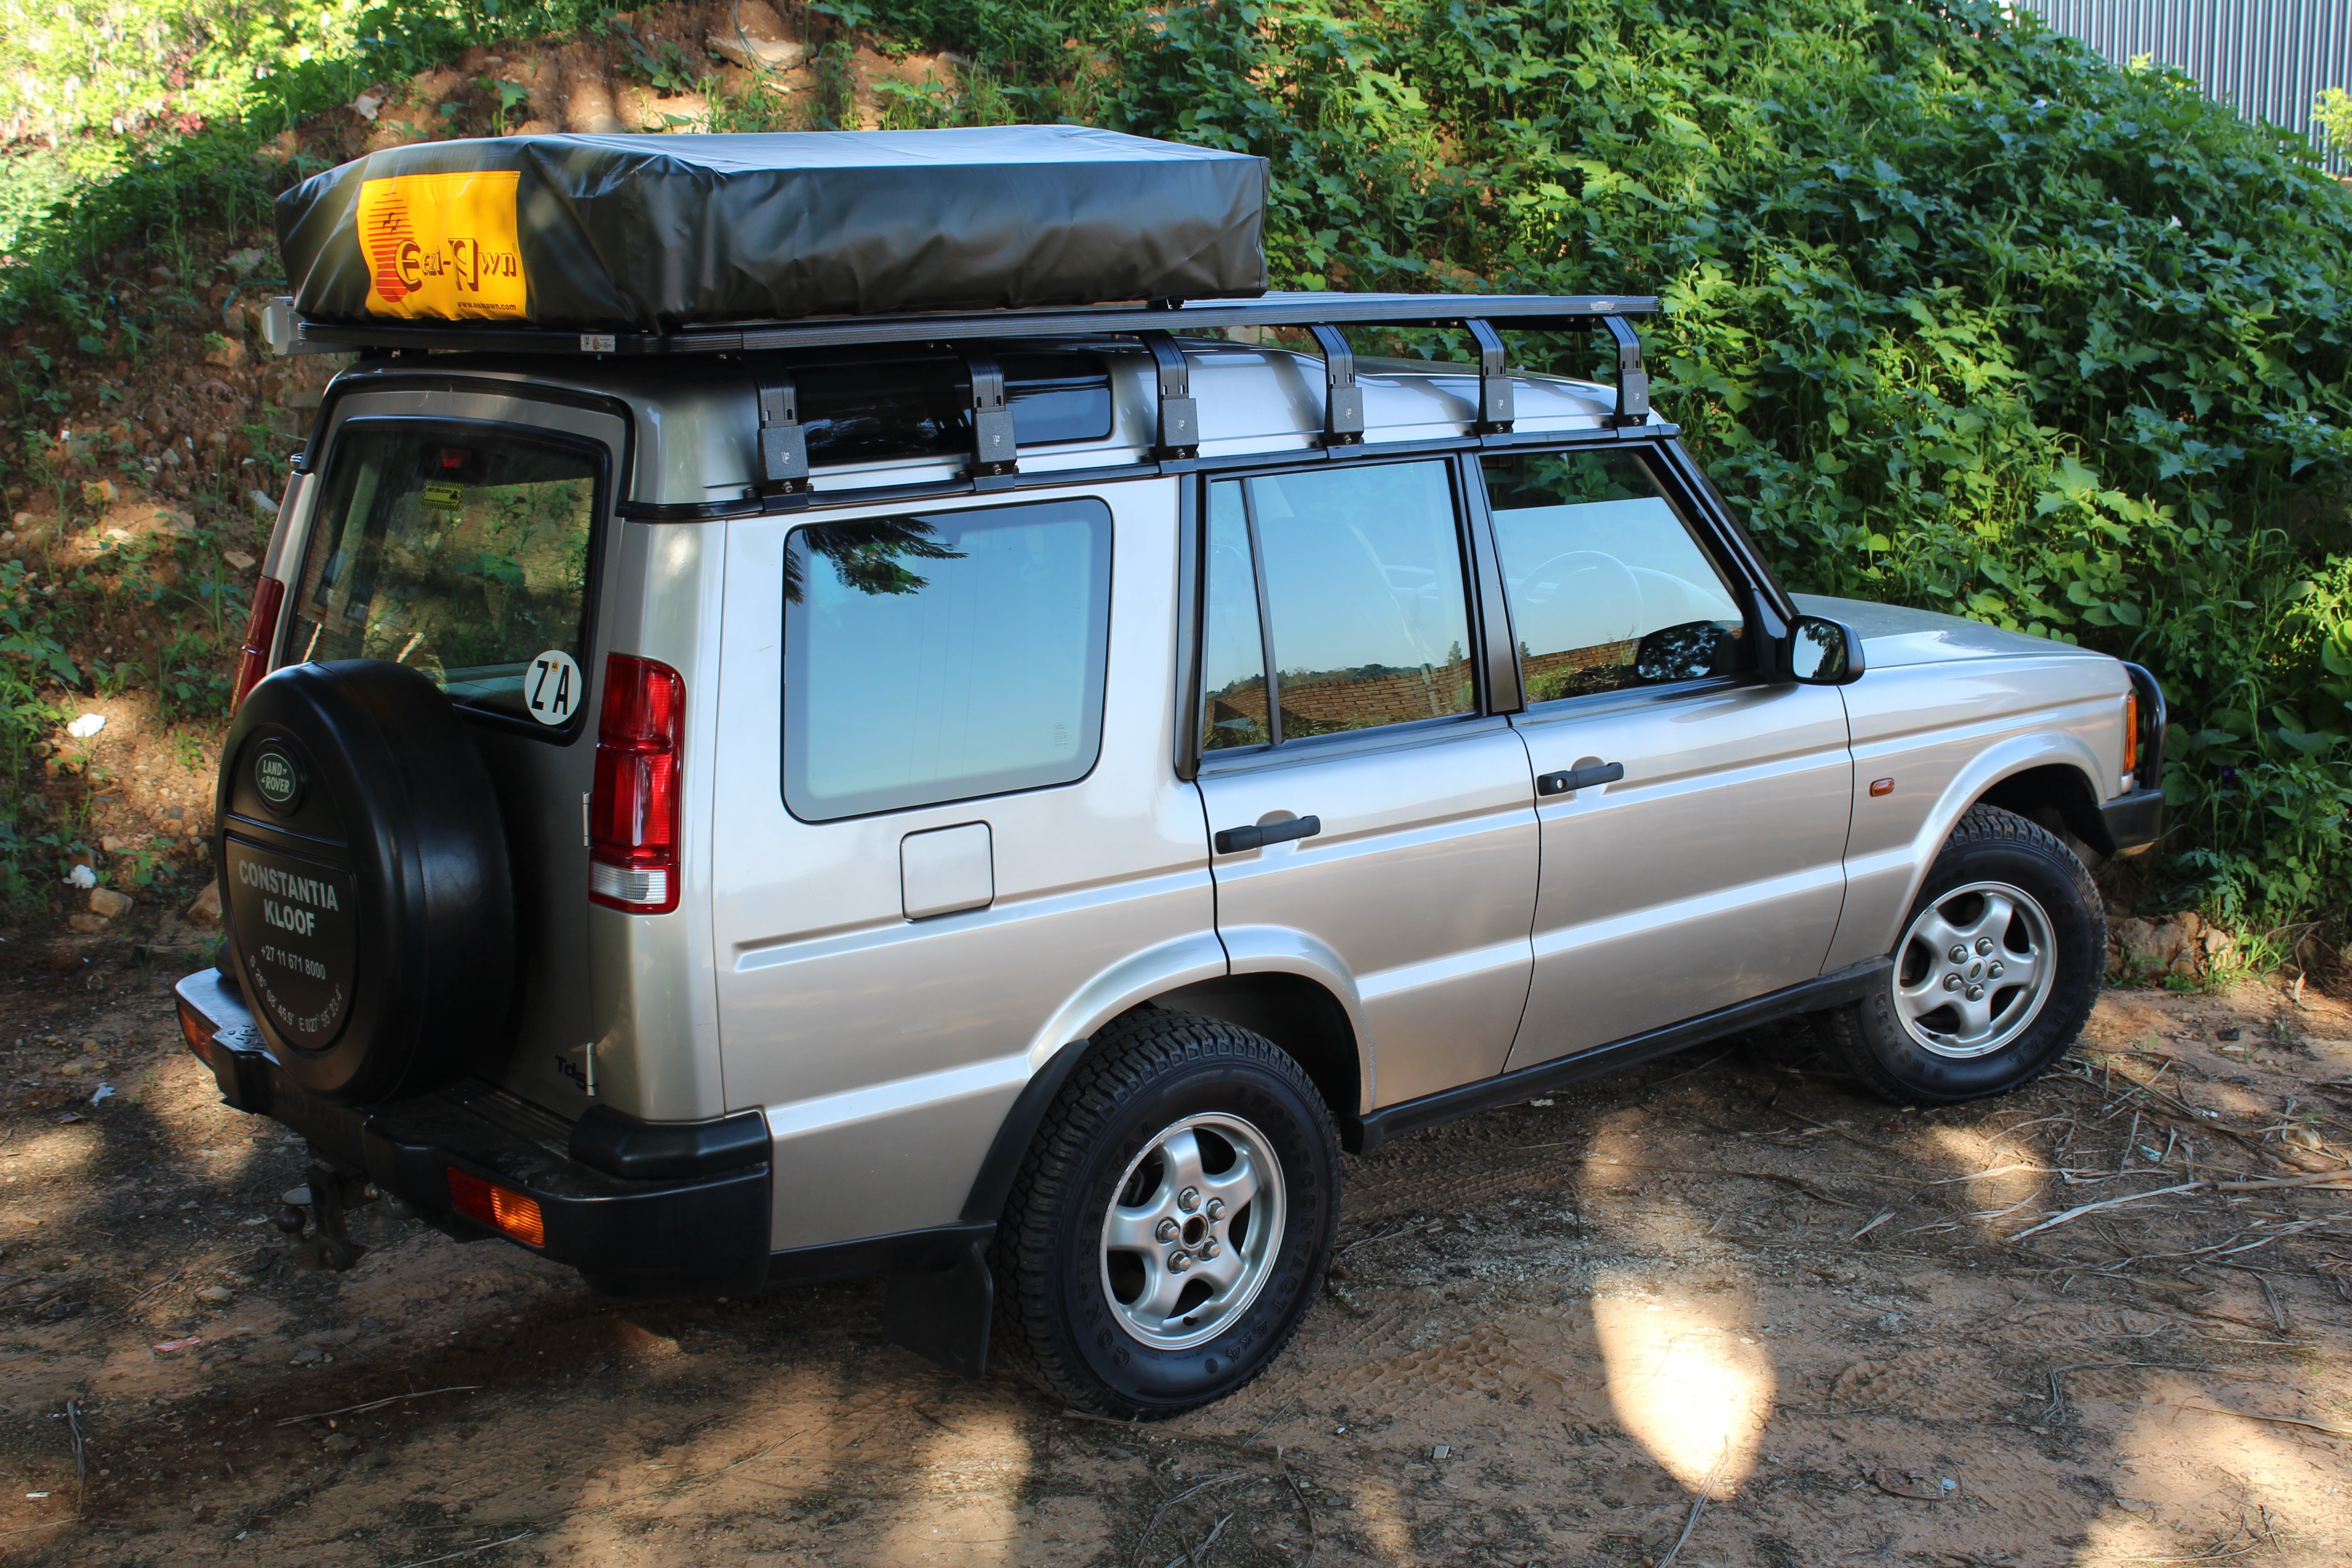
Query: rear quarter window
(461,552)
(944,656)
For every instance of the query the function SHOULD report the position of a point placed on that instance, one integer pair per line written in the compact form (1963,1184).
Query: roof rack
(1153,323)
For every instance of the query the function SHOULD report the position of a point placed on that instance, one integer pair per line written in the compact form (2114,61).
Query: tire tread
(1123,1059)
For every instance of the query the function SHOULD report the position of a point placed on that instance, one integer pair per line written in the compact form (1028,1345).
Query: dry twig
(2077,1213)
(2281,1420)
(377,1403)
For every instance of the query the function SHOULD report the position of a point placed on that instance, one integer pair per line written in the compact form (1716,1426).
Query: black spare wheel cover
(364,862)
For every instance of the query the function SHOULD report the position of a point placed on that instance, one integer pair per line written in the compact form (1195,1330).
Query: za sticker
(552,688)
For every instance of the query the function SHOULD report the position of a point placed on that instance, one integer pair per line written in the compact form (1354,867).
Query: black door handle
(1562,783)
(1234,840)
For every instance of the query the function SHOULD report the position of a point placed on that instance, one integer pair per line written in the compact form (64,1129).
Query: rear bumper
(2133,820)
(703,1234)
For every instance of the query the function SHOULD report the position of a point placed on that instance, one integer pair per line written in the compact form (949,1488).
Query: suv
(1002,800)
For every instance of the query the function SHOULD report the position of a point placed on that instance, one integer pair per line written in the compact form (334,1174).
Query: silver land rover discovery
(1000,792)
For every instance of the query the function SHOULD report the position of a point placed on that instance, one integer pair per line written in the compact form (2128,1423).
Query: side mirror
(1823,652)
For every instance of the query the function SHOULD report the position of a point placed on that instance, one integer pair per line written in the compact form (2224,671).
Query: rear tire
(1995,971)
(1168,1227)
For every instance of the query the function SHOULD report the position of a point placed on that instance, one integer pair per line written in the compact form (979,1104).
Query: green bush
(1967,316)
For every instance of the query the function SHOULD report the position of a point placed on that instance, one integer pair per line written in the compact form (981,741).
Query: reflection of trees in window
(870,556)
(489,582)
(1564,479)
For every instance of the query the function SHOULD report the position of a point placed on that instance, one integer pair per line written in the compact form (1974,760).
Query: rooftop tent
(653,232)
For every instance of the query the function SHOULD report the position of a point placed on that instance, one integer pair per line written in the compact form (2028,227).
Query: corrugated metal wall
(2266,58)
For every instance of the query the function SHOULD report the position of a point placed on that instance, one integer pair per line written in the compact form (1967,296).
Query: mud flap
(944,1317)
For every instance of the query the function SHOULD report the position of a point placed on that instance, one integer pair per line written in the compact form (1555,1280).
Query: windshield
(461,554)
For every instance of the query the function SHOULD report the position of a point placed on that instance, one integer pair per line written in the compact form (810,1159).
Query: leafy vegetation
(1968,317)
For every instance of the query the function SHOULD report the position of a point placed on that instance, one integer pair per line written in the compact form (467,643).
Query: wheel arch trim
(2005,759)
(1056,1049)
(1282,950)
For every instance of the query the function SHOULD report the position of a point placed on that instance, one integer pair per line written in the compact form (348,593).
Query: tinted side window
(1609,587)
(1360,568)
(944,656)
(1234,707)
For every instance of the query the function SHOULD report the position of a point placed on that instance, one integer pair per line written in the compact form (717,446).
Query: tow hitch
(320,1204)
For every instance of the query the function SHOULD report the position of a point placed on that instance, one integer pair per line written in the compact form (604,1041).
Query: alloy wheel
(1193,1231)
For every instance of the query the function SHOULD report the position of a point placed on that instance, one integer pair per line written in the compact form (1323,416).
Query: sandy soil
(1720,1301)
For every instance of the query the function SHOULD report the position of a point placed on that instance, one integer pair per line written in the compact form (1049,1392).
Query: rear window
(459,553)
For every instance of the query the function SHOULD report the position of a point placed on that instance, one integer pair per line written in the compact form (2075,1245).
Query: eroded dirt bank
(1555,1328)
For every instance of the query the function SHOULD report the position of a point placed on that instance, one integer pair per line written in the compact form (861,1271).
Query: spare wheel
(363,863)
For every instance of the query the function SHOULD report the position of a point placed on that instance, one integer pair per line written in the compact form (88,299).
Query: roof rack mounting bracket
(1632,381)
(994,448)
(1495,407)
(783,440)
(1343,400)
(1180,414)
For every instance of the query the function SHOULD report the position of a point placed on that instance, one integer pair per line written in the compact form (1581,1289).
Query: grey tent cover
(645,233)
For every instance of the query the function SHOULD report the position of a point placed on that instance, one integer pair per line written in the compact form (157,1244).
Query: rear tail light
(500,1208)
(260,632)
(2131,731)
(197,1030)
(632,810)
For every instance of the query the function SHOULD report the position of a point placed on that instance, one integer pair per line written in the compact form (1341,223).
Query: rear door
(459,534)
(1694,814)
(1352,584)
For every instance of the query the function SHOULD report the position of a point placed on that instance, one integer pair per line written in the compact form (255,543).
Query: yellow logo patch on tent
(443,244)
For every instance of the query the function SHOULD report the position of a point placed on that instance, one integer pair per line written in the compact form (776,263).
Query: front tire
(1167,1230)
(1994,973)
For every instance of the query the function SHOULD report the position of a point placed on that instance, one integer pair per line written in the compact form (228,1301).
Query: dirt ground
(1720,1301)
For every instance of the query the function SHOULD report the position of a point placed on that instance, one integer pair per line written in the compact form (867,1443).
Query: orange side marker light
(501,1208)
(1882,786)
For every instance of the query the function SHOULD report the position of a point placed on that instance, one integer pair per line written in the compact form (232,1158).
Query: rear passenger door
(1369,820)
(1694,814)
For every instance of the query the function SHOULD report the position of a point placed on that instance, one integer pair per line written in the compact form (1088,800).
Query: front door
(1694,816)
(1366,818)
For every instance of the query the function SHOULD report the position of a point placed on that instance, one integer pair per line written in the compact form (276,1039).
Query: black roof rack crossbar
(1537,311)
